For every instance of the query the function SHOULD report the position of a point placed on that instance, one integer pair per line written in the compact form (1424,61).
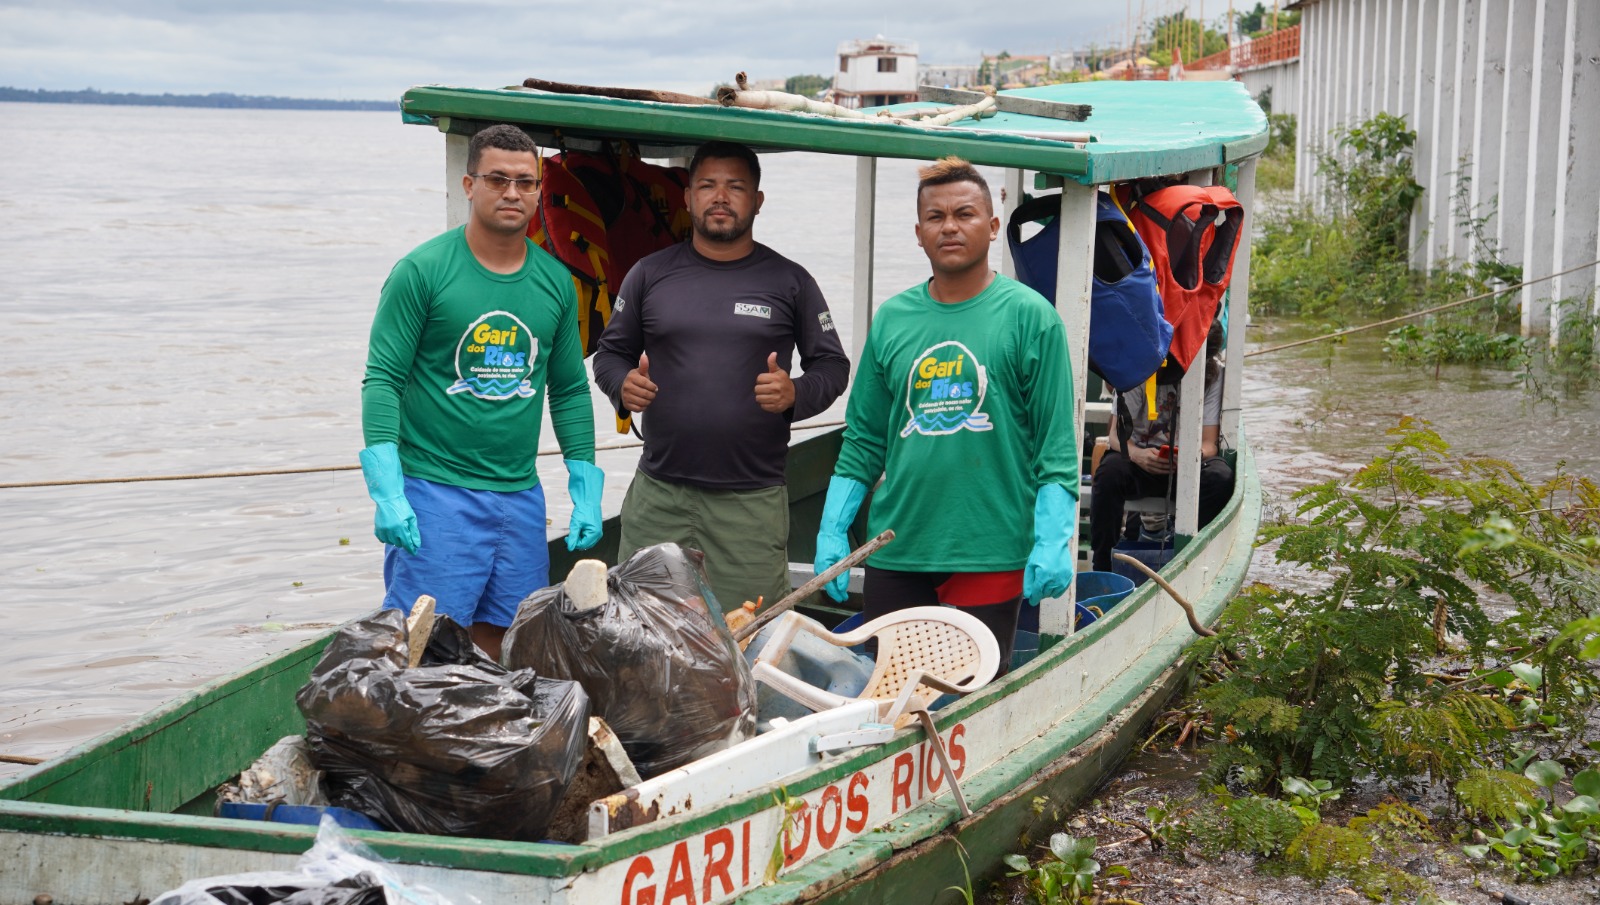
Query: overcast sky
(375,49)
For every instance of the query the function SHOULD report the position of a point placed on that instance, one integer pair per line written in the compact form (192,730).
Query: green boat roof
(1137,129)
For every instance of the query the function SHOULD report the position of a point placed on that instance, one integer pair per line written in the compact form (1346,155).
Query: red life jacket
(569,224)
(1192,232)
(598,215)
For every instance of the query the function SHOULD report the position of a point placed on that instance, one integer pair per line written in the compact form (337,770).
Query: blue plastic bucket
(307,815)
(1097,593)
(1154,554)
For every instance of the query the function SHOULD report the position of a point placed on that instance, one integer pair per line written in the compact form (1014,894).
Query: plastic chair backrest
(939,641)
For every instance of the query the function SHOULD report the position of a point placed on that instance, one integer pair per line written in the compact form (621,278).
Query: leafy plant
(1066,875)
(1331,680)
(1544,840)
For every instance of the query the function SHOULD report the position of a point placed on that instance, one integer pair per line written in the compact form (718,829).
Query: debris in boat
(457,746)
(605,771)
(419,626)
(283,774)
(656,658)
(627,94)
(586,584)
(743,616)
(336,870)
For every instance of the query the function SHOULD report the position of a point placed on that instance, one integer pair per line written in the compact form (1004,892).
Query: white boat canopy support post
(1238,310)
(1191,406)
(866,221)
(1074,283)
(1011,192)
(455,166)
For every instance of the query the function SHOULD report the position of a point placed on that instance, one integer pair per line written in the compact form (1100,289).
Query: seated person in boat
(1139,460)
(474,329)
(963,405)
(701,340)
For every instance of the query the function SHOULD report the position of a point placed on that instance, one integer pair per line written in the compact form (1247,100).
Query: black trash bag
(657,659)
(457,746)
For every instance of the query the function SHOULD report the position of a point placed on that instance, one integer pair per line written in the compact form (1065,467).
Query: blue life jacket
(1128,333)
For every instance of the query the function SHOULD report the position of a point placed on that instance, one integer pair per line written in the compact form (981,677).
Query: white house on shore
(875,72)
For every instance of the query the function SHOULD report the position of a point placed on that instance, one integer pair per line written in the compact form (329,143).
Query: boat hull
(877,824)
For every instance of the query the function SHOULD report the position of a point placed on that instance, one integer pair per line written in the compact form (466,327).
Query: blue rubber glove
(833,541)
(1049,569)
(394,523)
(584,484)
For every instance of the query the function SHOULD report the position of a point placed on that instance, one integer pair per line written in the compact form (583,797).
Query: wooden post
(1074,270)
(866,212)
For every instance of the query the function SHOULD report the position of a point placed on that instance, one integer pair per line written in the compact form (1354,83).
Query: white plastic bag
(334,858)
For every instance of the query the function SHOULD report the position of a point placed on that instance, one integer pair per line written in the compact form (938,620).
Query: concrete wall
(1282,78)
(1510,88)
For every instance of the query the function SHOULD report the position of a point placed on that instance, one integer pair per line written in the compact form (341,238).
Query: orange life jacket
(598,215)
(1192,232)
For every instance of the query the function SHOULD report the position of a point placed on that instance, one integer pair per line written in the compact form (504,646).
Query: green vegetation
(1275,171)
(1178,31)
(1263,21)
(215,99)
(1449,641)
(1066,875)
(806,85)
(1344,679)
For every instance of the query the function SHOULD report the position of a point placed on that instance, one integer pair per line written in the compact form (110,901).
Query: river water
(186,291)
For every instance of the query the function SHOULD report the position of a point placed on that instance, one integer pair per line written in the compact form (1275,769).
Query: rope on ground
(1423,313)
(264,472)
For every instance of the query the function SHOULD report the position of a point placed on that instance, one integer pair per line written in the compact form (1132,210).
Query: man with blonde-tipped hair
(963,405)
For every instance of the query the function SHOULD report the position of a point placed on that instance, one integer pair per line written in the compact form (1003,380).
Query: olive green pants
(743,533)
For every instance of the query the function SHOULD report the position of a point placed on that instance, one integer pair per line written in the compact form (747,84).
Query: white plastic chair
(923,652)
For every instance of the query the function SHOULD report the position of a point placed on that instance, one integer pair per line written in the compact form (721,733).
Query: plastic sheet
(337,870)
(457,746)
(656,658)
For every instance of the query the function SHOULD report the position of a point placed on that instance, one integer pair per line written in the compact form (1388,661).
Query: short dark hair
(946,170)
(726,150)
(502,137)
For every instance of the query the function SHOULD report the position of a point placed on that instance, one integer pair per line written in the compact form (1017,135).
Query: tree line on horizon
(215,99)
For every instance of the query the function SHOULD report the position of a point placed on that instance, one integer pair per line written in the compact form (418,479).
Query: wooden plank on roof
(1008,103)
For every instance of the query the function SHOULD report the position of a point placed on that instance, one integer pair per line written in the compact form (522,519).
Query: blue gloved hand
(394,523)
(833,541)
(584,484)
(1049,569)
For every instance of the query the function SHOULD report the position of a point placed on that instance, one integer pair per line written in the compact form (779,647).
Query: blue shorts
(482,552)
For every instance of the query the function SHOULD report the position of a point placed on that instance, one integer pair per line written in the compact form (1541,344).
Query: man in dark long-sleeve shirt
(702,338)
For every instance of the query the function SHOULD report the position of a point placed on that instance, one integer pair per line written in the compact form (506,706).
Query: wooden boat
(128,815)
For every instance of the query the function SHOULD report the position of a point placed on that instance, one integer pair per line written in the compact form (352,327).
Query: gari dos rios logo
(495,358)
(944,392)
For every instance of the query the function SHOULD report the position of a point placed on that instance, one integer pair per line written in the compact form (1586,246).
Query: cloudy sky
(375,49)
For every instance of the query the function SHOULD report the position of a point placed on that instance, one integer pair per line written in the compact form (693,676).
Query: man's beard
(733,231)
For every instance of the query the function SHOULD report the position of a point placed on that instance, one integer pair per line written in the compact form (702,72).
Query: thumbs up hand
(774,389)
(637,389)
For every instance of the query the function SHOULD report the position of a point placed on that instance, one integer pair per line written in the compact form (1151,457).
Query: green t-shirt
(967,410)
(459,361)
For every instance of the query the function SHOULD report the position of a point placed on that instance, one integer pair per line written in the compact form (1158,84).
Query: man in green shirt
(473,329)
(963,404)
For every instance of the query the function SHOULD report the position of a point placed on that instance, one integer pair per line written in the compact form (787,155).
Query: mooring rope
(263,472)
(634,444)
(1423,313)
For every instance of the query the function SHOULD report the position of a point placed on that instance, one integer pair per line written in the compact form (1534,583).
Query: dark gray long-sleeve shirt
(708,327)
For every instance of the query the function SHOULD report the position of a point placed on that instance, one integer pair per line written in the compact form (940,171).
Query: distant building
(1011,71)
(875,73)
(953,76)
